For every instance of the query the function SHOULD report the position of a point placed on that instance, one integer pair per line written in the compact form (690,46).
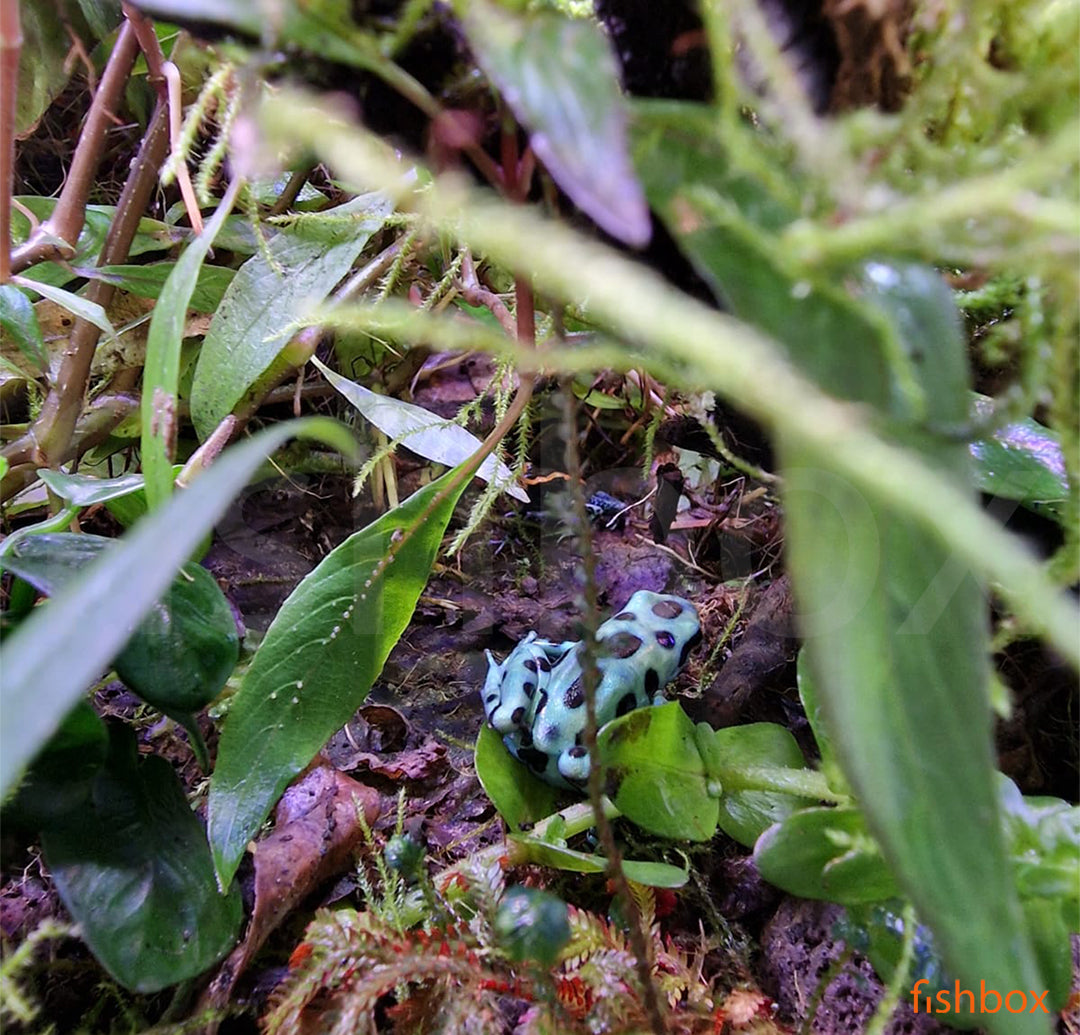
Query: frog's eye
(667,609)
(665,639)
(623,645)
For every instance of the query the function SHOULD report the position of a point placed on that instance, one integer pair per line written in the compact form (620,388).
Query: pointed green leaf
(559,857)
(73,303)
(896,632)
(148,281)
(61,649)
(560,78)
(161,371)
(84,490)
(317,663)
(19,325)
(271,294)
(425,433)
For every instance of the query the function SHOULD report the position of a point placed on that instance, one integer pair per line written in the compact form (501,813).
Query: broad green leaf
(655,774)
(559,857)
(827,854)
(180,654)
(518,796)
(74,304)
(186,647)
(269,296)
(19,325)
(61,649)
(895,630)
(133,869)
(161,371)
(61,776)
(745,814)
(84,490)
(560,78)
(722,219)
(425,433)
(316,665)
(1022,461)
(148,281)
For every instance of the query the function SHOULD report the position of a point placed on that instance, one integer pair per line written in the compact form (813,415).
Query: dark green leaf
(1023,462)
(148,281)
(655,774)
(827,854)
(268,296)
(560,78)
(744,815)
(60,777)
(319,658)
(518,796)
(91,237)
(18,324)
(811,703)
(134,870)
(186,647)
(60,649)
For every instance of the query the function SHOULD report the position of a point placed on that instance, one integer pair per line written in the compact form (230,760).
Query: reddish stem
(10,46)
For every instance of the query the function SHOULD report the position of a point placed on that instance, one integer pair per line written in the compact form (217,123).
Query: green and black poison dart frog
(534,697)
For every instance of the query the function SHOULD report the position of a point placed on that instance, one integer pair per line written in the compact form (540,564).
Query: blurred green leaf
(50,660)
(560,78)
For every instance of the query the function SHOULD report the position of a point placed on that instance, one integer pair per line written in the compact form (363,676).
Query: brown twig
(590,677)
(10,47)
(57,236)
(50,439)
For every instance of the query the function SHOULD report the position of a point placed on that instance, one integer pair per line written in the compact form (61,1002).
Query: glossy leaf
(318,660)
(19,325)
(133,868)
(60,778)
(85,490)
(518,796)
(161,370)
(61,649)
(269,295)
(425,433)
(559,857)
(186,647)
(560,78)
(73,303)
(655,774)
(811,703)
(1023,462)
(149,280)
(745,814)
(826,854)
